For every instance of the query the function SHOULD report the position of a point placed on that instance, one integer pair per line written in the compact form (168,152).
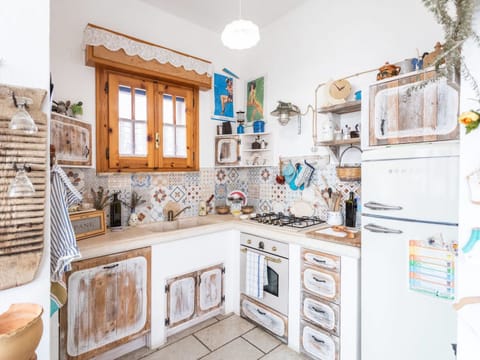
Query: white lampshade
(240,34)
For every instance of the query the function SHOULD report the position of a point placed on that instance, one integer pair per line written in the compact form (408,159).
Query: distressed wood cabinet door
(108,302)
(400,115)
(181,299)
(210,289)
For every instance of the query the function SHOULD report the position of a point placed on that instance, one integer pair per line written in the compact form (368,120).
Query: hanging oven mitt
(288,172)
(297,182)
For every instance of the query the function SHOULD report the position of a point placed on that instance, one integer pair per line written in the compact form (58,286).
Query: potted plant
(135,200)
(77,109)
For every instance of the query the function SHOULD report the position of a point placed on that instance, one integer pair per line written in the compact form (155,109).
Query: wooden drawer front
(106,303)
(318,344)
(270,319)
(326,315)
(322,283)
(321,260)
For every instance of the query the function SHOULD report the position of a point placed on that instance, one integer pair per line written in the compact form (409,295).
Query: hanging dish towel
(63,243)
(256,274)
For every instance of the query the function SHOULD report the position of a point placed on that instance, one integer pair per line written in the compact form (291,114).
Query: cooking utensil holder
(348,173)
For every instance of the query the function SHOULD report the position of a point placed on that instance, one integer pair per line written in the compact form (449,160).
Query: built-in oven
(270,310)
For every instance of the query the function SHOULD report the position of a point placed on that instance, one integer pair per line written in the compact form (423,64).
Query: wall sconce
(22,120)
(21,185)
(286,110)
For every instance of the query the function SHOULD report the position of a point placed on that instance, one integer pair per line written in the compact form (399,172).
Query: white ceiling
(215,14)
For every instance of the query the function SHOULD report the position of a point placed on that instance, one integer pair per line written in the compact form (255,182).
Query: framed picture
(72,140)
(255,100)
(223,95)
(88,223)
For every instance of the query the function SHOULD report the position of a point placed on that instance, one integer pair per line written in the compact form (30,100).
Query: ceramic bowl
(247,209)
(21,328)
(222,209)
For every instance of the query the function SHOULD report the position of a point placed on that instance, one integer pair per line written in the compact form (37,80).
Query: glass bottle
(115,212)
(350,211)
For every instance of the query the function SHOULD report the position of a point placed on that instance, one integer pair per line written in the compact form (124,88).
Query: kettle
(388,70)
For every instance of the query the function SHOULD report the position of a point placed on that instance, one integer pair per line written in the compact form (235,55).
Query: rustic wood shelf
(340,142)
(348,107)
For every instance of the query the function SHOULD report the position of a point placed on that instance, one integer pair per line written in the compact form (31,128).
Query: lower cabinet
(321,305)
(269,319)
(108,304)
(192,295)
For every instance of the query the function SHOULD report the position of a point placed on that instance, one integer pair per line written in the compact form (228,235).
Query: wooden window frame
(155,161)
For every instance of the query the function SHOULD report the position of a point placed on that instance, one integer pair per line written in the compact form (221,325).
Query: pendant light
(240,34)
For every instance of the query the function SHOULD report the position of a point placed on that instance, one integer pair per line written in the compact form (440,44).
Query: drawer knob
(249,241)
(274,248)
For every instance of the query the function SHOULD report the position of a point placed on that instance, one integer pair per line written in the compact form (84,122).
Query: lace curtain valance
(96,36)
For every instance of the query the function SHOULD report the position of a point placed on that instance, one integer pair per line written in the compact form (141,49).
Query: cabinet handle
(318,280)
(261,312)
(157,140)
(378,206)
(319,261)
(108,267)
(318,340)
(317,310)
(381,229)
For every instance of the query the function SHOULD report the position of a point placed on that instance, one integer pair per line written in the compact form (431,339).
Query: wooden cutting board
(328,234)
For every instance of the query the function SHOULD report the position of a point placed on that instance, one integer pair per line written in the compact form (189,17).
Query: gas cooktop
(282,220)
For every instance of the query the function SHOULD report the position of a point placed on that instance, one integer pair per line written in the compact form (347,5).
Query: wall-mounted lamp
(22,120)
(21,185)
(285,111)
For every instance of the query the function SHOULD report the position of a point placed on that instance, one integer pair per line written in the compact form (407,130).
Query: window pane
(125,143)
(140,138)
(180,101)
(181,146)
(167,109)
(168,141)
(124,102)
(140,104)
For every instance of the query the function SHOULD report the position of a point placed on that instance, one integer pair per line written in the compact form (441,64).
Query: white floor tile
(238,349)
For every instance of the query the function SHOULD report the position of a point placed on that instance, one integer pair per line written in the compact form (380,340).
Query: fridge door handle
(378,206)
(381,229)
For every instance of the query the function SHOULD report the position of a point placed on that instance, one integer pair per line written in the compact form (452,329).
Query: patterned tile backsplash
(187,189)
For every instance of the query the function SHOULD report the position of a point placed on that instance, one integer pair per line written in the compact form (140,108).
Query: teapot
(388,70)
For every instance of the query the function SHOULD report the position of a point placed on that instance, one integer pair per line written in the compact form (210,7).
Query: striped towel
(256,274)
(63,243)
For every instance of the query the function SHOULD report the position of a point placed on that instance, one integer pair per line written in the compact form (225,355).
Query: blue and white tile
(141,181)
(177,193)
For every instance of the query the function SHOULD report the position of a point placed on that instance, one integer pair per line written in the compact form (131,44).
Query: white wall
(73,80)
(24,46)
(469,215)
(321,40)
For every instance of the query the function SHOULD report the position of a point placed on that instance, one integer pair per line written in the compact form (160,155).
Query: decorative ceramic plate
(236,194)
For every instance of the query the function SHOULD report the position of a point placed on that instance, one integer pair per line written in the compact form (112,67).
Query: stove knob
(274,248)
(261,245)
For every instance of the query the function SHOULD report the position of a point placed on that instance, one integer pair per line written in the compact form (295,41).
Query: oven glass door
(273,283)
(275,294)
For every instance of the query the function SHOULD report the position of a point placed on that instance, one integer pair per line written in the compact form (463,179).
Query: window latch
(157,140)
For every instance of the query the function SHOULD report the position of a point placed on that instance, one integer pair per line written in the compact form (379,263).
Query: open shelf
(340,142)
(345,108)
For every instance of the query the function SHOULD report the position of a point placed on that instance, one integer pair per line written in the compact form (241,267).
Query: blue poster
(223,98)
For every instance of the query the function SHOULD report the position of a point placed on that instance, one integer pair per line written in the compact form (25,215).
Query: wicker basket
(348,173)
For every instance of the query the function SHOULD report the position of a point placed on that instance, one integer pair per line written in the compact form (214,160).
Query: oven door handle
(381,229)
(378,206)
(268,258)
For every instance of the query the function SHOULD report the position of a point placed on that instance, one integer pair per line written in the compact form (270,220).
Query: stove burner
(279,219)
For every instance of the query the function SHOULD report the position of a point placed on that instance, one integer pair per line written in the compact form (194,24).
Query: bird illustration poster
(223,94)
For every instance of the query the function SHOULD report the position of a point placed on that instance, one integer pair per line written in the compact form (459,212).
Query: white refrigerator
(409,197)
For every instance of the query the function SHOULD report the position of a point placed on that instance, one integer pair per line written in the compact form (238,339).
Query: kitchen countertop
(163,232)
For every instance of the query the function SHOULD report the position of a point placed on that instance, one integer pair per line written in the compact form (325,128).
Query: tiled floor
(224,337)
